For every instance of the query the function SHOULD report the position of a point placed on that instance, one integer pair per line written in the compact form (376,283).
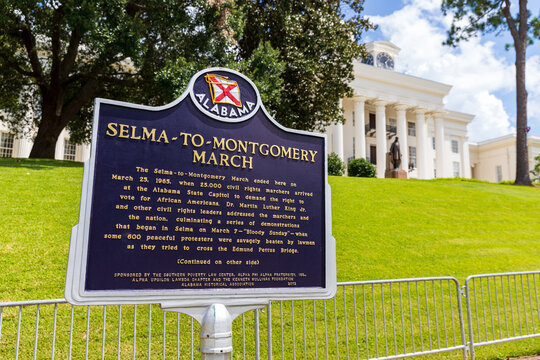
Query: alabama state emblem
(224,94)
(223,91)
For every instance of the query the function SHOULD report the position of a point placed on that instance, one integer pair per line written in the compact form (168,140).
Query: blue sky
(481,71)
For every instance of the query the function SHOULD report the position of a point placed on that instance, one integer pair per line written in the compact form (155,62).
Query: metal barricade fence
(53,329)
(502,307)
(386,319)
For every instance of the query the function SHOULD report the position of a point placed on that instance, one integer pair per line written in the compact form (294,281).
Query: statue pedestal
(392,173)
(395,174)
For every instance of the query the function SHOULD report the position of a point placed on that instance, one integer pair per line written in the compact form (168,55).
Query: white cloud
(478,75)
(491,118)
(533,87)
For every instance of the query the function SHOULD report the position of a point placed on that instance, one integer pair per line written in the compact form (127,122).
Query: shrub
(361,168)
(536,171)
(336,167)
(506,182)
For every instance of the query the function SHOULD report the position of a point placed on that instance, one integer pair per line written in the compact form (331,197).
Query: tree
(57,56)
(316,43)
(473,17)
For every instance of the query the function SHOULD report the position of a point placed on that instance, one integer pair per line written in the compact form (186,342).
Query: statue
(393,162)
(396,154)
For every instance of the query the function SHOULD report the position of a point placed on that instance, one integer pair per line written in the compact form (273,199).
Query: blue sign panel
(208,193)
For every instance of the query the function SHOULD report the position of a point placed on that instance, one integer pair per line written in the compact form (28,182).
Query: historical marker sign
(207,196)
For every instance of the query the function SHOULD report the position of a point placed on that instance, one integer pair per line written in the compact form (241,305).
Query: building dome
(381,54)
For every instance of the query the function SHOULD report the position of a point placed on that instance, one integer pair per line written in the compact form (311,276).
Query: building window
(433,142)
(353,147)
(385,61)
(456,168)
(392,127)
(499,173)
(6,144)
(353,119)
(455,147)
(69,151)
(368,60)
(411,128)
(412,157)
(372,155)
(434,168)
(372,121)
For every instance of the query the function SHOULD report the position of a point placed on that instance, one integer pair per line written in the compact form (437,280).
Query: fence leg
(469,318)
(257,343)
(269,329)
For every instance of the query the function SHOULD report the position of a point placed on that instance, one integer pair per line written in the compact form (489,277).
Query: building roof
(459,116)
(395,87)
(382,46)
(509,138)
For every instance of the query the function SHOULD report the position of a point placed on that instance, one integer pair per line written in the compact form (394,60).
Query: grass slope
(39,203)
(388,228)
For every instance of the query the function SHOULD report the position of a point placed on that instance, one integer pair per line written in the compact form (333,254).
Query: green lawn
(388,228)
(39,203)
(383,228)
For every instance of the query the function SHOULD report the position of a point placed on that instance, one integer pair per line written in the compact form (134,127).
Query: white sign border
(76,294)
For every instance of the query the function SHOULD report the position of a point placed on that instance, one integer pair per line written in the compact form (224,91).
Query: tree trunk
(49,130)
(522,153)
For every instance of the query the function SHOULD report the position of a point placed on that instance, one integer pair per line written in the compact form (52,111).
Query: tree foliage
(59,55)
(474,17)
(317,44)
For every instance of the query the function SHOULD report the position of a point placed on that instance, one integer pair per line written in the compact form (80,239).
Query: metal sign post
(216,326)
(205,205)
(216,333)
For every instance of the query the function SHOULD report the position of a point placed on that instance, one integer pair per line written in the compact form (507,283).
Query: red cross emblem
(223,91)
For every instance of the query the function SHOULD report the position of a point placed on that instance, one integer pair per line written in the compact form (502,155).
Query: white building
(20,147)
(433,140)
(495,159)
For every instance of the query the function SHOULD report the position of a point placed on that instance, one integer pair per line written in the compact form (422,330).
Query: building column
(25,142)
(402,135)
(421,144)
(440,154)
(380,124)
(430,151)
(338,136)
(465,158)
(359,131)
(24,148)
(85,152)
(59,150)
(338,140)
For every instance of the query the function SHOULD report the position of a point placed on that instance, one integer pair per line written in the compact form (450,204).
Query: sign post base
(216,336)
